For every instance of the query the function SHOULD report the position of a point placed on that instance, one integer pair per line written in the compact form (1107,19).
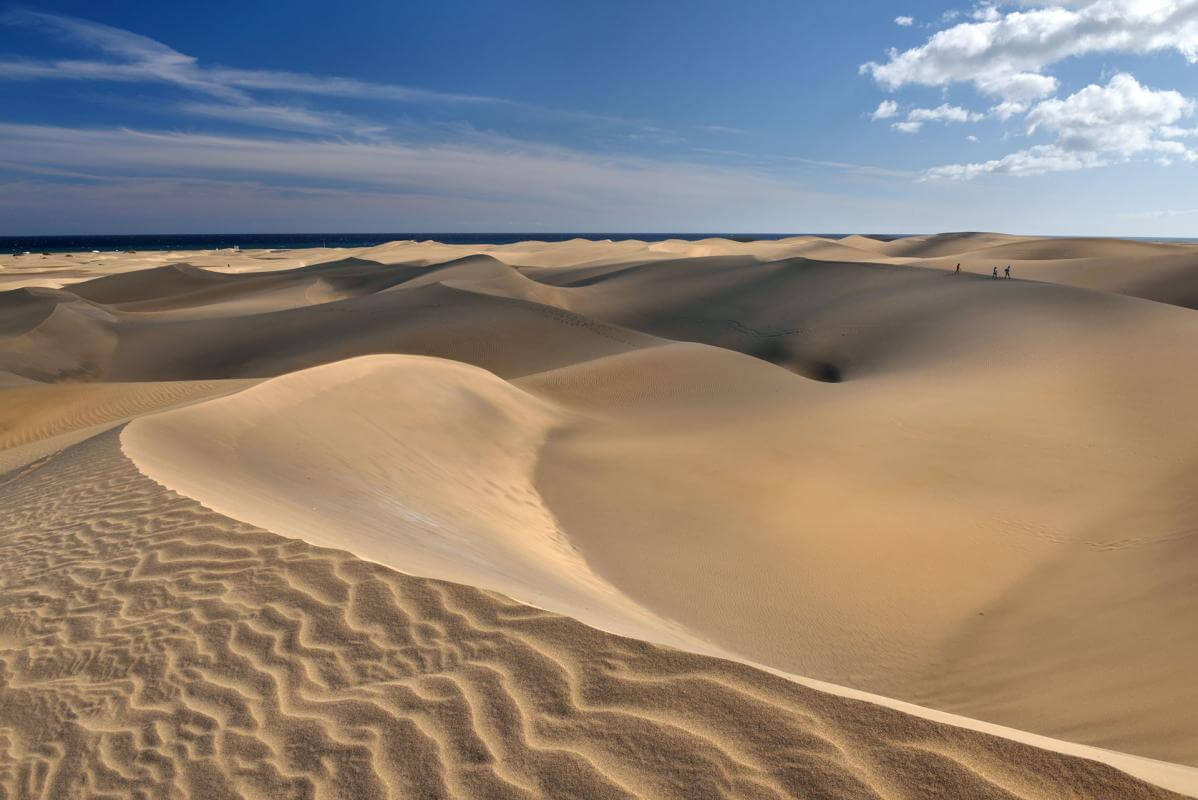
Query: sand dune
(38,418)
(444,488)
(819,470)
(154,648)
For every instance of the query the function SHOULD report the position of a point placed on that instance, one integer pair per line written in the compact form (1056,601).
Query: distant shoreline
(296,241)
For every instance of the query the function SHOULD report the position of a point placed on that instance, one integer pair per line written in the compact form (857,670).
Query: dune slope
(154,648)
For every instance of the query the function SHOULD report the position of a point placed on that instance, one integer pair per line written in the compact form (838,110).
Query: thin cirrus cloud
(238,94)
(349,154)
(490,174)
(1007,56)
(231,92)
(1165,213)
(142,59)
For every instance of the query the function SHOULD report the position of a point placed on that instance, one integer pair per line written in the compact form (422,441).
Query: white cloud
(905,22)
(943,113)
(1032,161)
(1016,87)
(1007,109)
(1005,54)
(885,110)
(1095,126)
(971,138)
(1122,117)
(985,13)
(281,117)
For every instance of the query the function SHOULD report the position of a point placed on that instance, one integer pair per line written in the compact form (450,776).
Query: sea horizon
(65,243)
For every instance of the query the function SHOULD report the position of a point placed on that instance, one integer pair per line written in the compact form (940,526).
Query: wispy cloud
(133,58)
(142,59)
(188,182)
(414,164)
(497,171)
(777,160)
(283,117)
(1167,213)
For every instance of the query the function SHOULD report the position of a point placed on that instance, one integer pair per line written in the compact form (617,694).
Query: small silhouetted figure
(958,269)
(994,273)
(1007,271)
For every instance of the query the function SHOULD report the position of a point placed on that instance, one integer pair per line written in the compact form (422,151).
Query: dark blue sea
(291,241)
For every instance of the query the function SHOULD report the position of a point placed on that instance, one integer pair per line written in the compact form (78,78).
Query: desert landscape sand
(790,518)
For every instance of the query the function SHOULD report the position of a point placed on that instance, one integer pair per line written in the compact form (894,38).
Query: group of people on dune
(993,273)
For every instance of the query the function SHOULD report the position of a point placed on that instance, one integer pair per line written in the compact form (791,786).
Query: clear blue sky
(1072,117)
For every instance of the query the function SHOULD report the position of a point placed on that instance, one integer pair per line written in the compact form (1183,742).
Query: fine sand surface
(834,462)
(152,648)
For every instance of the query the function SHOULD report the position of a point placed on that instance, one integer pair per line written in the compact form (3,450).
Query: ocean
(291,241)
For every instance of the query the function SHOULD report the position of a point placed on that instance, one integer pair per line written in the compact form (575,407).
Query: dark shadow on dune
(777,352)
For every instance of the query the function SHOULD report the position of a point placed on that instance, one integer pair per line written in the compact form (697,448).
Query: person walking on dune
(958,269)
(994,273)
(1008,271)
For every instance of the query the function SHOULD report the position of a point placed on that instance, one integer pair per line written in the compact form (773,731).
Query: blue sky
(1071,117)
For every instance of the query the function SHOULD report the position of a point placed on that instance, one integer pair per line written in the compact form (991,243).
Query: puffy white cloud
(1016,87)
(986,13)
(1123,117)
(1095,126)
(905,22)
(971,138)
(944,113)
(1174,132)
(1005,54)
(885,110)
(1007,109)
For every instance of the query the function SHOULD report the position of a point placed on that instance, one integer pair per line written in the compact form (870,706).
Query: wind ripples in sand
(152,648)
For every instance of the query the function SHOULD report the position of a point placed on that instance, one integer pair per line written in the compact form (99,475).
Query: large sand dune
(833,461)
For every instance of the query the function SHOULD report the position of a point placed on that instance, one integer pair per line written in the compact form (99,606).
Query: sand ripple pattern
(150,648)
